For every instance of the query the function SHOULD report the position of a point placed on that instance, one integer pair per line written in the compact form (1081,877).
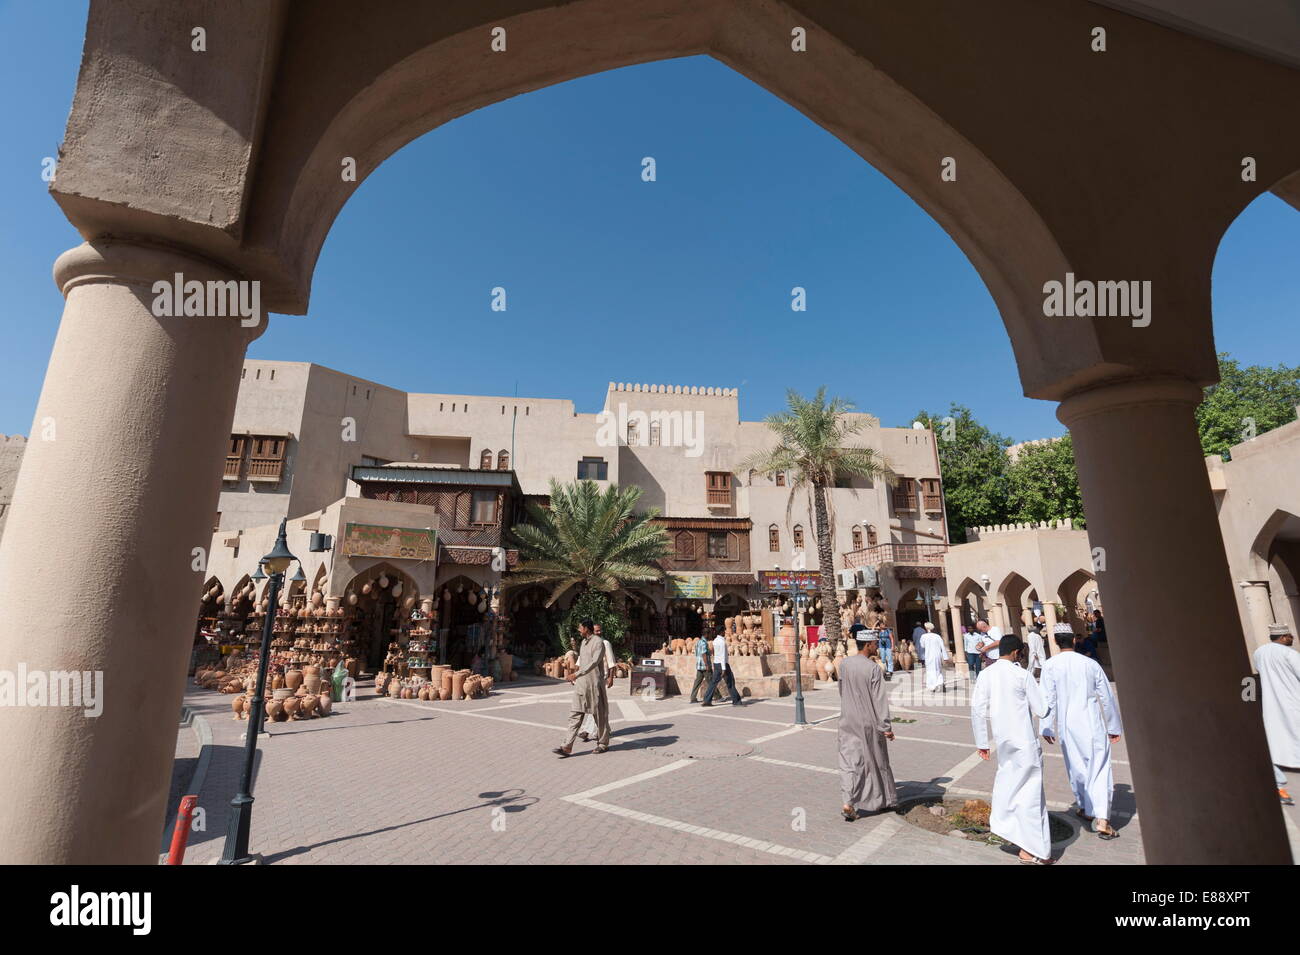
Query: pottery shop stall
(534,631)
(382,609)
(462,613)
(646,626)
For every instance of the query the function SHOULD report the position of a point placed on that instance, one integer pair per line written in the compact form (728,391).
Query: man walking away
(1007,697)
(970,643)
(588,691)
(936,652)
(703,669)
(866,779)
(1279,677)
(886,645)
(1081,705)
(721,669)
(1037,651)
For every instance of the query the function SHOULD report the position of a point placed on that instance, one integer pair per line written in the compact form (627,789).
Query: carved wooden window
(905,495)
(798,537)
(780,479)
(774,538)
(718,487)
(654,434)
(857,538)
(685,546)
(718,544)
(871,535)
(503,461)
(485,460)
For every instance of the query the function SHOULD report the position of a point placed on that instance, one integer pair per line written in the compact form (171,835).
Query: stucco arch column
(118,485)
(1195,746)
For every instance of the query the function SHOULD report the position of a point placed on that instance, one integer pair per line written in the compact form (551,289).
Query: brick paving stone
(388,781)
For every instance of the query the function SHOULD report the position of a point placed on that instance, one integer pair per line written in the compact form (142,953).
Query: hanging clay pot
(383,580)
(366,588)
(352,600)
(397,590)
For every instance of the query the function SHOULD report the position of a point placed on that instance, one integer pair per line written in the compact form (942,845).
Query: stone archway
(169,167)
(1272,595)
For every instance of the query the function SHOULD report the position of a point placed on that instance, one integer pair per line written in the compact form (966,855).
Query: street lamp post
(241,807)
(796,600)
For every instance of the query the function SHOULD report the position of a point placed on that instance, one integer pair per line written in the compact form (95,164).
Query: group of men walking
(1074,704)
(589,714)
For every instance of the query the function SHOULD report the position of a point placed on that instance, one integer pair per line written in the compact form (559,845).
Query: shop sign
(689,586)
(375,540)
(771,581)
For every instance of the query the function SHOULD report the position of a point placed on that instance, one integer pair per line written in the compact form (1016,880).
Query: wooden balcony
(265,469)
(719,497)
(234,464)
(910,555)
(933,502)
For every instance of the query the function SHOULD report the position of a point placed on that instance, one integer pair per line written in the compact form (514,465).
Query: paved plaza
(389,781)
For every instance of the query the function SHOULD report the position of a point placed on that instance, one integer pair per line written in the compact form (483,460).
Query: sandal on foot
(850,815)
(1034,860)
(561,752)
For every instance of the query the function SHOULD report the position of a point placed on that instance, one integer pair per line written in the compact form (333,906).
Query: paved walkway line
(786,762)
(744,841)
(962,768)
(776,735)
(862,850)
(480,714)
(630,710)
(630,780)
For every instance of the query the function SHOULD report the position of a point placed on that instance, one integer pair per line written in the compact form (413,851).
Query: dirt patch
(968,819)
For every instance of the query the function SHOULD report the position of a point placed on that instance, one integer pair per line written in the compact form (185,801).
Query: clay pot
(488,683)
(281,694)
(275,711)
(444,693)
(458,684)
(238,704)
(291,707)
(309,705)
(326,704)
(277,682)
(394,690)
(424,693)
(447,681)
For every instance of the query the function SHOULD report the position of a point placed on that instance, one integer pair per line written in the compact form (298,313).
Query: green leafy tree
(815,447)
(974,468)
(601,610)
(1246,402)
(1043,484)
(591,539)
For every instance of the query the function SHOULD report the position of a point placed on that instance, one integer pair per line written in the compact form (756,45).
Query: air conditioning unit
(846,580)
(868,576)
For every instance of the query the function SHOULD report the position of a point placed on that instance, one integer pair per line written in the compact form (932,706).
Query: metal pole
(241,807)
(799,718)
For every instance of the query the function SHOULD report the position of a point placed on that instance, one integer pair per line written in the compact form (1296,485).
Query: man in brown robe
(866,780)
(589,691)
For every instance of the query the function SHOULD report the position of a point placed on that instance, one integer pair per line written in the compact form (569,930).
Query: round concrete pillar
(1195,747)
(98,568)
(1259,610)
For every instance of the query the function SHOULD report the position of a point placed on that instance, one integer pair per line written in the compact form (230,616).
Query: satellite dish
(917,426)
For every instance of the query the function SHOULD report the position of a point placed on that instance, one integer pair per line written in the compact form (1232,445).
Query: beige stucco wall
(11,456)
(1258,498)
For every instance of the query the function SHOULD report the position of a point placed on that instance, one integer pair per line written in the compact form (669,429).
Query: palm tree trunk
(826,562)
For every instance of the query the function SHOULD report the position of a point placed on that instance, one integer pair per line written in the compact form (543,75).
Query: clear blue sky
(682,281)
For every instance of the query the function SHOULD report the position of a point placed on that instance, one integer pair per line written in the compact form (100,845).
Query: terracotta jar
(277,682)
(488,683)
(238,704)
(447,681)
(309,705)
(293,679)
(444,693)
(458,684)
(275,711)
(326,704)
(281,694)
(394,689)
(291,707)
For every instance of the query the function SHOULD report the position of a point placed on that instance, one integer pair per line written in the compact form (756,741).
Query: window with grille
(483,507)
(905,495)
(503,461)
(593,469)
(798,536)
(857,538)
(780,479)
(871,535)
(717,544)
(485,460)
(654,434)
(774,538)
(930,493)
(718,487)
(633,434)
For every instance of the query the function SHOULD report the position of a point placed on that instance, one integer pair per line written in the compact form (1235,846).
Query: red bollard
(181,834)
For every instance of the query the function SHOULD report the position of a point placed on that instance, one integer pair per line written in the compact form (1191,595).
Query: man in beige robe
(589,696)
(866,779)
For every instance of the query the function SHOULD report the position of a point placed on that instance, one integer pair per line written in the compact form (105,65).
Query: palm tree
(588,538)
(813,446)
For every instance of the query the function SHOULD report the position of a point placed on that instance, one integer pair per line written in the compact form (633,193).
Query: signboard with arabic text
(376,540)
(689,586)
